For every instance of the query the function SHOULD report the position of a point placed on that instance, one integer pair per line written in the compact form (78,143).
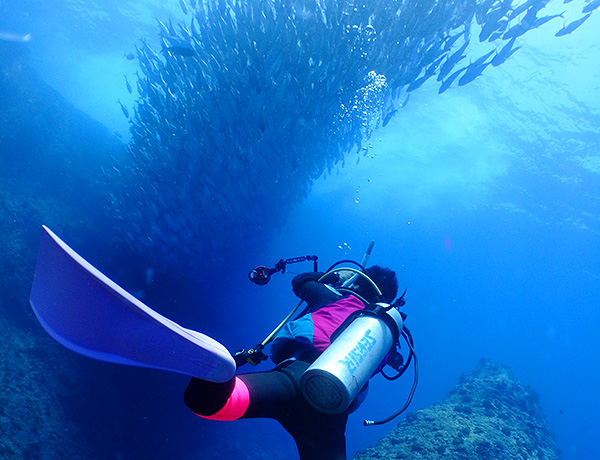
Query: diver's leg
(262,394)
(321,438)
(277,395)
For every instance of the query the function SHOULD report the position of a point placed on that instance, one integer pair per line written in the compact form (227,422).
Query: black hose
(408,337)
(346,261)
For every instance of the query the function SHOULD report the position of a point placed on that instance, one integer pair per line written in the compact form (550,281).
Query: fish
(482,9)
(259,76)
(536,4)
(591,6)
(450,41)
(405,101)
(393,111)
(12,37)
(416,84)
(543,20)
(448,81)
(500,11)
(432,53)
(494,21)
(472,73)
(183,6)
(129,56)
(487,30)
(479,61)
(519,29)
(123,109)
(454,59)
(505,53)
(568,28)
(164,30)
(475,69)
(178,46)
(388,117)
(194,30)
(467,31)
(127,85)
(515,31)
(430,71)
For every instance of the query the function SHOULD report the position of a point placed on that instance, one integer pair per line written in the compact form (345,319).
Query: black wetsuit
(276,394)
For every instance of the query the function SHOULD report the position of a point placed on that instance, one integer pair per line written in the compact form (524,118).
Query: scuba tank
(332,382)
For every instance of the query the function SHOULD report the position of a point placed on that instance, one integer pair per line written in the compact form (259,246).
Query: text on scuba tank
(358,353)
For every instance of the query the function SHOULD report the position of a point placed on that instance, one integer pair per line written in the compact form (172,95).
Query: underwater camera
(261,275)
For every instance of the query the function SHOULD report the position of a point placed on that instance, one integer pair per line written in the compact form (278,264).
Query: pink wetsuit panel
(236,405)
(326,320)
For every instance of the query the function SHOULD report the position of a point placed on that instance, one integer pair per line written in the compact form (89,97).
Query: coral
(489,415)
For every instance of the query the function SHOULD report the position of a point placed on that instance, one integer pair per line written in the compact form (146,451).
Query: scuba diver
(324,358)
(277,393)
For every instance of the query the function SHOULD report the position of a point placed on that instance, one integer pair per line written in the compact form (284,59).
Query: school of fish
(247,102)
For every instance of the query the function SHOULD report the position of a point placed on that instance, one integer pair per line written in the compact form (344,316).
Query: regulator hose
(407,336)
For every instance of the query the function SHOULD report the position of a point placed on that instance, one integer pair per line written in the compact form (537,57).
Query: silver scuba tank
(332,382)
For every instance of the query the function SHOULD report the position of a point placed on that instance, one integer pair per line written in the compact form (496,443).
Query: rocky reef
(489,415)
(50,171)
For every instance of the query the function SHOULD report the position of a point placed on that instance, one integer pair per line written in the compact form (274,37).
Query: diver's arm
(308,288)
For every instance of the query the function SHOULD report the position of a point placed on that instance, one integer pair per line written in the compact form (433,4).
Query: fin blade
(88,313)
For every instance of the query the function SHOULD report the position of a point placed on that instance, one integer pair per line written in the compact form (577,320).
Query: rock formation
(488,415)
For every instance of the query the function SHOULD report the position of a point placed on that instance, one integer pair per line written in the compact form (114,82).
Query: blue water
(485,200)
